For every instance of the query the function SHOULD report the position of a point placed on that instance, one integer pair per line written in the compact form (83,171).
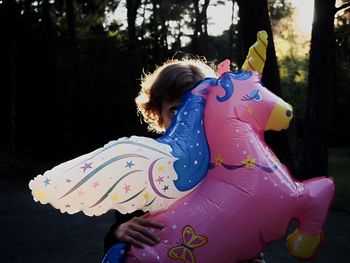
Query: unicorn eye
(257,96)
(254,95)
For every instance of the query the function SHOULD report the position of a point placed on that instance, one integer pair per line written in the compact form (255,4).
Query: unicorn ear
(223,67)
(255,60)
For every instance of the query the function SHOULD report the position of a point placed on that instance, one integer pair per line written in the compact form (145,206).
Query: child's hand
(136,232)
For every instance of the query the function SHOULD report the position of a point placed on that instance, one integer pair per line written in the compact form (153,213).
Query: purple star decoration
(86,166)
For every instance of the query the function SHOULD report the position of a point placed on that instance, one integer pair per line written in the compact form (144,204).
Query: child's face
(168,110)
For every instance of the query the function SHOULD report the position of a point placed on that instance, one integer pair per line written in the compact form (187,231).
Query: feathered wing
(127,175)
(137,172)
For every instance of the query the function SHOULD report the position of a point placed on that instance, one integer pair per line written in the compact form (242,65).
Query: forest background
(70,70)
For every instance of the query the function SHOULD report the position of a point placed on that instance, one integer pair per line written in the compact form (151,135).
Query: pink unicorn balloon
(215,184)
(248,197)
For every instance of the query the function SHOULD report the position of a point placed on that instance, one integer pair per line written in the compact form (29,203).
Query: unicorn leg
(304,241)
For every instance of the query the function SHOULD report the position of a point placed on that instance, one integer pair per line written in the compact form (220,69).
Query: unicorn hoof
(301,245)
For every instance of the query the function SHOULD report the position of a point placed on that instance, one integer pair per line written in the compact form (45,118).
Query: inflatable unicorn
(225,206)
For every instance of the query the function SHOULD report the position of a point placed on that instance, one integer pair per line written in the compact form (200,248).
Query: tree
(252,20)
(232,30)
(71,23)
(320,83)
(200,34)
(132,7)
(339,128)
(9,26)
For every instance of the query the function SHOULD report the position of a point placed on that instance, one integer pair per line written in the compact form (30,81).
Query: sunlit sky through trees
(220,17)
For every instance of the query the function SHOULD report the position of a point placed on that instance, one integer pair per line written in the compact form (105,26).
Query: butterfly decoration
(190,241)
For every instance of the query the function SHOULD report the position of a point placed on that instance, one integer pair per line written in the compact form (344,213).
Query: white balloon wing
(137,172)
(127,175)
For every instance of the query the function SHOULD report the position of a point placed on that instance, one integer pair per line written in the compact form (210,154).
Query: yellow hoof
(301,245)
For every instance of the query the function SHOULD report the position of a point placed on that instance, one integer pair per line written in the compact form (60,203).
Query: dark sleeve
(110,238)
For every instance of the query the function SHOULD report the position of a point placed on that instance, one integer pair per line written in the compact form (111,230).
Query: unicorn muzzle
(280,116)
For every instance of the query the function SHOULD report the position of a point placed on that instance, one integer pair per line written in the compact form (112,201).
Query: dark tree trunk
(46,18)
(200,34)
(232,32)
(251,21)
(71,22)
(197,27)
(45,89)
(159,30)
(132,7)
(154,29)
(163,23)
(204,19)
(320,82)
(9,18)
(143,25)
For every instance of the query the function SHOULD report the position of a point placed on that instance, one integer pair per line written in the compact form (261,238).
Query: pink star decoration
(160,179)
(95,184)
(127,188)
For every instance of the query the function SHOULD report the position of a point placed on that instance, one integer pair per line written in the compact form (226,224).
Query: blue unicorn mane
(186,136)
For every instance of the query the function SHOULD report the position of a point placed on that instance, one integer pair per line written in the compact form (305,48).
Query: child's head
(161,90)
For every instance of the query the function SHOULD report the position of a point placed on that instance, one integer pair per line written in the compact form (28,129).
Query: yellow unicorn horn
(256,57)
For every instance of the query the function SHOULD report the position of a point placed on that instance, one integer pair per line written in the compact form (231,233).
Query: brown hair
(167,84)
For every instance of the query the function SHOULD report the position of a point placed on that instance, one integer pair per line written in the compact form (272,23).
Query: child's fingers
(146,235)
(134,242)
(140,238)
(151,223)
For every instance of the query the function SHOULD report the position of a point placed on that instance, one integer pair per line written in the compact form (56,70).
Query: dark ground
(33,233)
